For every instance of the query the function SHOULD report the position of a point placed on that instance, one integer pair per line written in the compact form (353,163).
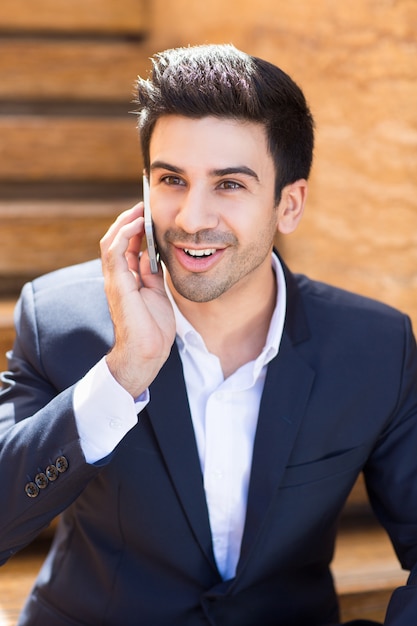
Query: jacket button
(41,480)
(61,464)
(51,473)
(32,490)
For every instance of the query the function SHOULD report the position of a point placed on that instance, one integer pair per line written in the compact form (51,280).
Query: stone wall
(357,64)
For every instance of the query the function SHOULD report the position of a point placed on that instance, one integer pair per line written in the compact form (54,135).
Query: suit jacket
(133,545)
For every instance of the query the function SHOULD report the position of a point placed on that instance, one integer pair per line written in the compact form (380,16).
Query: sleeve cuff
(104,412)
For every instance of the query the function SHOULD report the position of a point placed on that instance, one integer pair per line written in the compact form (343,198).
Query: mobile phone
(149,232)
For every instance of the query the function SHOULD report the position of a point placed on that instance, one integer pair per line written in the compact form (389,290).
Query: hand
(141,312)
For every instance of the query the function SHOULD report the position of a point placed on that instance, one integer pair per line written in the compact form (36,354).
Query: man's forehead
(221,144)
(211,121)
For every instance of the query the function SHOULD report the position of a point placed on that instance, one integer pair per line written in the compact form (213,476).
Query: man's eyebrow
(239,169)
(224,171)
(161,165)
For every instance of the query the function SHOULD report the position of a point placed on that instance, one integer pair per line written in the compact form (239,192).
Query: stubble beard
(207,286)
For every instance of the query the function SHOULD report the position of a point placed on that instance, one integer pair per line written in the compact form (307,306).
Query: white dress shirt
(224,414)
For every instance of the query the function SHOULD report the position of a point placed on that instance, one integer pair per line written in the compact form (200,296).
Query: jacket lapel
(287,388)
(170,417)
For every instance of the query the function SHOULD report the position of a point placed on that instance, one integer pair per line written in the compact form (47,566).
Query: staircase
(69,153)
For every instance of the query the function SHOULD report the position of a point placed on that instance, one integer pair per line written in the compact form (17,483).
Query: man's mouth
(199,253)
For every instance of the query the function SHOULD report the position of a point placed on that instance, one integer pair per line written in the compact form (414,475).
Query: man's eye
(230,184)
(172,180)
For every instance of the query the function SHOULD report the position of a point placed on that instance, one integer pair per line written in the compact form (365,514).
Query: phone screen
(149,233)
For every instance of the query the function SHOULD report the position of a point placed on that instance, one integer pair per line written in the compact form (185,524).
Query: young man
(200,429)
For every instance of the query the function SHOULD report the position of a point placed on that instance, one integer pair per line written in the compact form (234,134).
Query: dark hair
(221,81)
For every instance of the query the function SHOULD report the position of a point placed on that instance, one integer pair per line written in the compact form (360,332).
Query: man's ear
(291,206)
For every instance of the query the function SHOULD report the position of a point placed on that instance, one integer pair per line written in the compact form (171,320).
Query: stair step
(366,571)
(50,234)
(127,17)
(6,332)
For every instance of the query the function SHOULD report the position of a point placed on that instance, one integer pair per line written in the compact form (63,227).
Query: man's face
(212,198)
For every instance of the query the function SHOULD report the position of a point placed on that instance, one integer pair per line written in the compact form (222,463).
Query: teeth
(200,253)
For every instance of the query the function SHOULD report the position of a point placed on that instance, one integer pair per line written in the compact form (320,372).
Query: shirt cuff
(104,412)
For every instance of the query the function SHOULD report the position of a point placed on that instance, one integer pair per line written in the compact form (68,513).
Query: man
(200,428)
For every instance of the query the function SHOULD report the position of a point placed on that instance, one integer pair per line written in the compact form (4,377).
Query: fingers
(124,218)
(121,245)
(148,278)
(124,266)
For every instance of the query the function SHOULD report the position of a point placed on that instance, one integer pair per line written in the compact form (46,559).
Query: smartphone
(149,232)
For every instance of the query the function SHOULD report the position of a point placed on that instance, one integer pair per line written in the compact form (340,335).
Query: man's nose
(196,211)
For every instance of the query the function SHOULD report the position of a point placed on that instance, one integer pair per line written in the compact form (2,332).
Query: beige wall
(357,63)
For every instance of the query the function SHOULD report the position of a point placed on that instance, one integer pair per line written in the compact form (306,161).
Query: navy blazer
(133,545)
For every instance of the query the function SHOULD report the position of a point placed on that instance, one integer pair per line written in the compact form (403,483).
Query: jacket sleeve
(391,478)
(42,466)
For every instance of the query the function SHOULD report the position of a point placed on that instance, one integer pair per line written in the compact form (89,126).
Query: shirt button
(220,396)
(218,474)
(41,480)
(116,423)
(193,340)
(51,473)
(32,489)
(61,464)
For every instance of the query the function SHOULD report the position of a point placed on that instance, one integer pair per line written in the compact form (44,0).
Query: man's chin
(198,288)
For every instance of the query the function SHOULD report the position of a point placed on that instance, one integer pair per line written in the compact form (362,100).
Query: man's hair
(222,81)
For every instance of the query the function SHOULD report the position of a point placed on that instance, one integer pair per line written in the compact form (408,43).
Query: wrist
(126,376)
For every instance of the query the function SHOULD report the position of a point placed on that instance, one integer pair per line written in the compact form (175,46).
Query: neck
(235,325)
